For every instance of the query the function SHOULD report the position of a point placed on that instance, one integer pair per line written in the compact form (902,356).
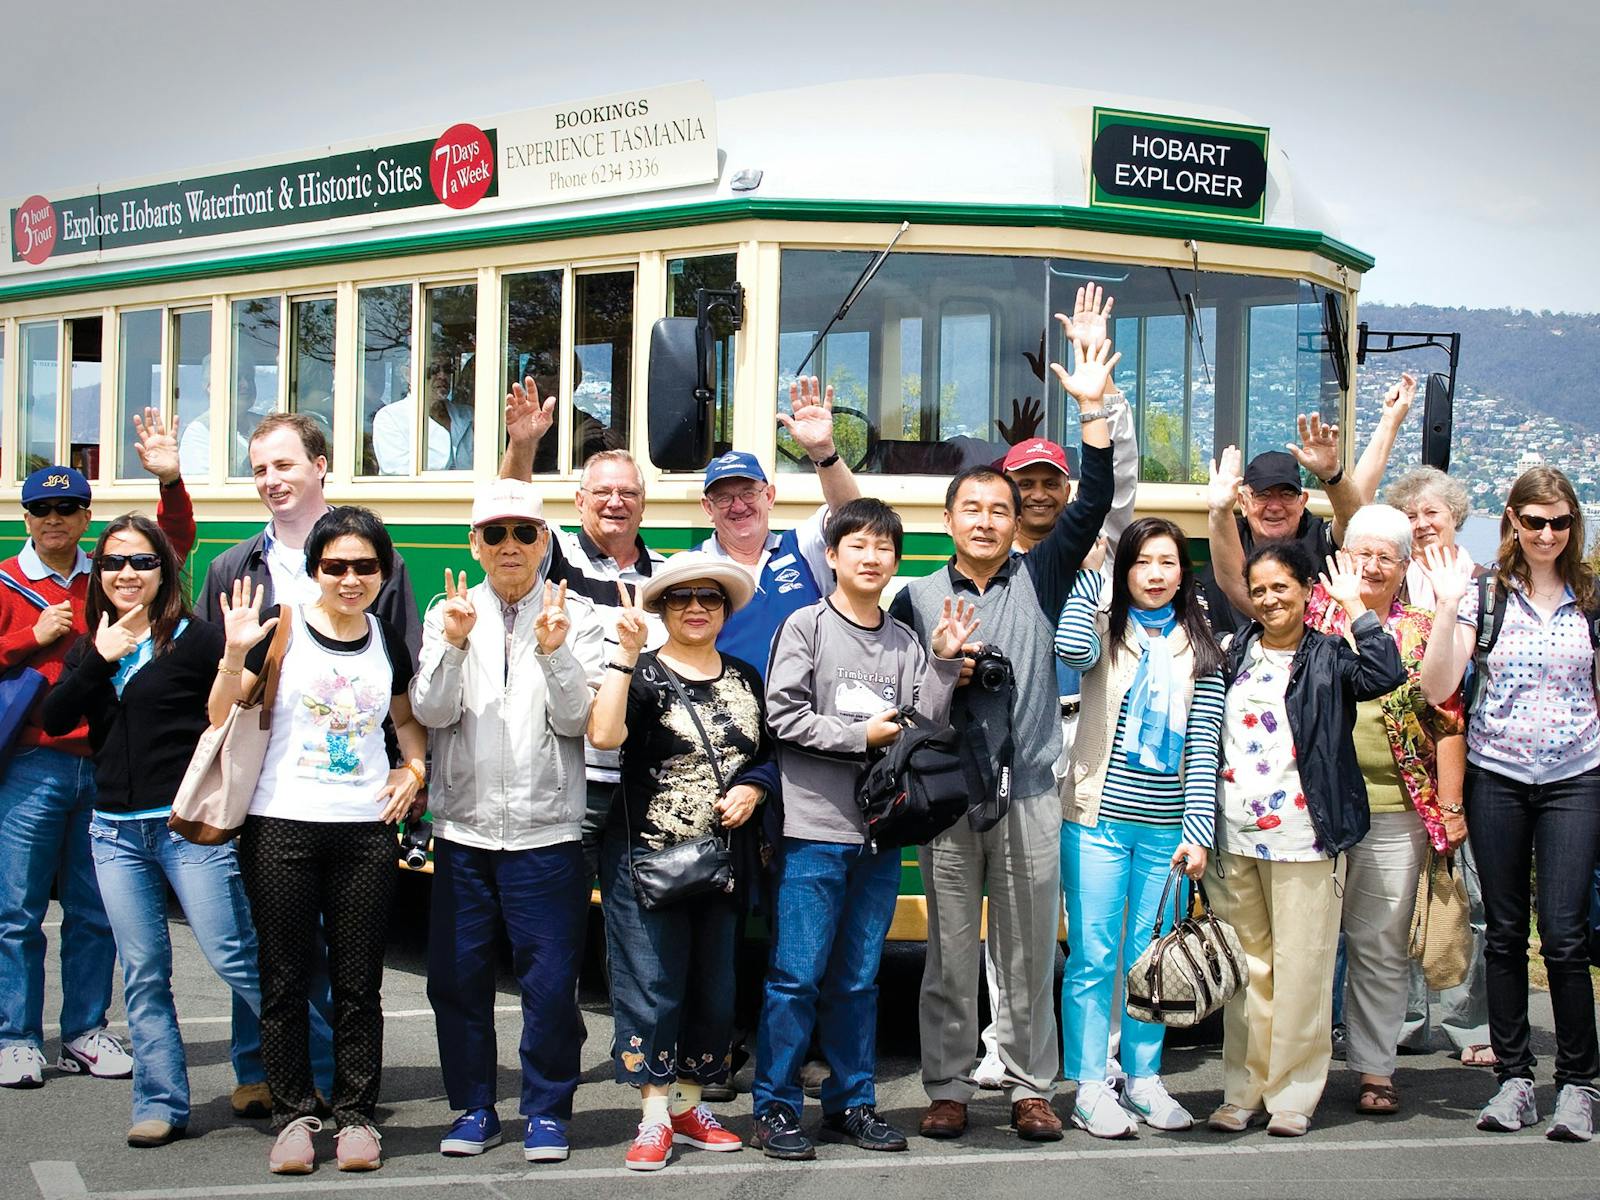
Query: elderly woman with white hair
(1436,505)
(1413,759)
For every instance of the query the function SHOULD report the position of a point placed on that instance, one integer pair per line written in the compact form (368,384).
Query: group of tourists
(1299,727)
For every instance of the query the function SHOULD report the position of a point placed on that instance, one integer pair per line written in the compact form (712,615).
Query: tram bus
(549,242)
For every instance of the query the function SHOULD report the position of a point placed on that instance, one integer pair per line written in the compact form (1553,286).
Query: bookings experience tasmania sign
(1148,163)
(639,141)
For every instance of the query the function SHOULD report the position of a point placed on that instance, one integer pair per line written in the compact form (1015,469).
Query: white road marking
(58,1180)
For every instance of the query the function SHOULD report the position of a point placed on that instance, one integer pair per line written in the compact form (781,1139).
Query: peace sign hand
(812,421)
(552,623)
(457,611)
(114,642)
(241,618)
(157,446)
(958,621)
(632,630)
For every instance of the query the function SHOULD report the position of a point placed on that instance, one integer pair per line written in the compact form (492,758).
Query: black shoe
(1340,1042)
(861,1127)
(776,1133)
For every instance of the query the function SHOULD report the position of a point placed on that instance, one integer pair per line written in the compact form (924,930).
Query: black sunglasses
(679,599)
(62,508)
(493,535)
(139,562)
(1534,524)
(340,567)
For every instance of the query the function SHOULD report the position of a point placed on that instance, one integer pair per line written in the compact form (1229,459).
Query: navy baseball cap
(55,483)
(735,464)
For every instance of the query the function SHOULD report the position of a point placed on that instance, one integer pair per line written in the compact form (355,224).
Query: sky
(1456,142)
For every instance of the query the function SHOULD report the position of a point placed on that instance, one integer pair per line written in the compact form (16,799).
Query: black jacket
(1326,679)
(142,741)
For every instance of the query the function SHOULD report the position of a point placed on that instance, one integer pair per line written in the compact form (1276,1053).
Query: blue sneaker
(546,1140)
(474,1131)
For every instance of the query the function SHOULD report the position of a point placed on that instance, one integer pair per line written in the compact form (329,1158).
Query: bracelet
(823,464)
(616,666)
(222,670)
(1335,479)
(1091,414)
(416,769)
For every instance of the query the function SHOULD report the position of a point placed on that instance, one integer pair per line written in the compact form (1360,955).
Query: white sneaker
(991,1073)
(21,1066)
(1116,1077)
(1147,1099)
(1572,1121)
(95,1053)
(1511,1109)
(1096,1110)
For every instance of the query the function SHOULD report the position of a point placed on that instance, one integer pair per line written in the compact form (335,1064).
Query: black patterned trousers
(342,874)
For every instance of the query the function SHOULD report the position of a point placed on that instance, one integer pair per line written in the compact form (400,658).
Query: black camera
(991,670)
(414,844)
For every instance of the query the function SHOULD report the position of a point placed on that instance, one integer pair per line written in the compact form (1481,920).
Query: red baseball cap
(1036,450)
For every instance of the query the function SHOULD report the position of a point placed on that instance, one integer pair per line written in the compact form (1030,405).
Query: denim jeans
(135,860)
(1512,825)
(46,799)
(1112,874)
(835,905)
(541,897)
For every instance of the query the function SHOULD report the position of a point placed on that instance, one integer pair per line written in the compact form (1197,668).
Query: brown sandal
(1479,1055)
(1378,1100)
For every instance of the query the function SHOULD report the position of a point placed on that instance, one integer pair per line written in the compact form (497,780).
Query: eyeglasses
(723,501)
(527,533)
(1532,524)
(61,508)
(626,495)
(678,599)
(340,567)
(139,562)
(1384,562)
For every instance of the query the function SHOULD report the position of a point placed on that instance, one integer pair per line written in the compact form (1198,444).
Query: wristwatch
(822,464)
(1454,810)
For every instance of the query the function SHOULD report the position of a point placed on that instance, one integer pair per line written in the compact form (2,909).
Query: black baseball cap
(1275,468)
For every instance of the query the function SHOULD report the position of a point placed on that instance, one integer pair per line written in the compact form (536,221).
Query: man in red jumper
(47,787)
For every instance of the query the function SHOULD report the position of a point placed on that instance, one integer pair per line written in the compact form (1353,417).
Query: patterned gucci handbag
(1187,974)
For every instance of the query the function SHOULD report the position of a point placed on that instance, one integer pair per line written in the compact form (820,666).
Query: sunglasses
(139,562)
(527,534)
(340,567)
(61,508)
(1534,524)
(678,599)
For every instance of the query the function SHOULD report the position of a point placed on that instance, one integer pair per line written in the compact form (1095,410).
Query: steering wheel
(871,443)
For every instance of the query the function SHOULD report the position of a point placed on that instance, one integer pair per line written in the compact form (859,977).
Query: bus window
(83,413)
(966,376)
(533,347)
(1175,401)
(1289,372)
(685,276)
(138,382)
(257,335)
(40,391)
(191,357)
(603,341)
(311,360)
(383,341)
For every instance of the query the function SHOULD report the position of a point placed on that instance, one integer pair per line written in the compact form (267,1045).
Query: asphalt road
(66,1139)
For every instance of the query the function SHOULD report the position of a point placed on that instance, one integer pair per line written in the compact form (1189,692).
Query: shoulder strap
(266,688)
(23,590)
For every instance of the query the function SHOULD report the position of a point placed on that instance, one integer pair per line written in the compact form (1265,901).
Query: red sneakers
(699,1128)
(651,1149)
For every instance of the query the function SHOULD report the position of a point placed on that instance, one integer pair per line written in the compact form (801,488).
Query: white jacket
(507,746)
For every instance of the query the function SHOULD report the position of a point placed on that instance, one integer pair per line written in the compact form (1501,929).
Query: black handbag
(702,865)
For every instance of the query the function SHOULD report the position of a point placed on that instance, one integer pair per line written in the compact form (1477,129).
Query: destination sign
(1178,165)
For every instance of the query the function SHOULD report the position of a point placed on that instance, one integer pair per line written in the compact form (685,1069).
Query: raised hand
(1025,417)
(1449,574)
(1091,374)
(457,611)
(551,625)
(1096,557)
(810,419)
(527,417)
(1222,492)
(53,623)
(1397,400)
(113,642)
(632,630)
(157,446)
(242,626)
(1342,581)
(1090,321)
(883,728)
(1318,449)
(958,621)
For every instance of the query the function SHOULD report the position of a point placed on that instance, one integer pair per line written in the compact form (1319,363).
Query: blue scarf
(1157,713)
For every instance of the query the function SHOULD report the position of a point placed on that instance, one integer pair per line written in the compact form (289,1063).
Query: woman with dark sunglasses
(318,845)
(140,677)
(1533,783)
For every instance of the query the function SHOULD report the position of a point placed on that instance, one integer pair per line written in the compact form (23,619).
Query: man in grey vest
(1018,859)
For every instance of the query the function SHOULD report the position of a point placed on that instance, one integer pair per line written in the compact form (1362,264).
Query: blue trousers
(541,897)
(835,905)
(46,800)
(135,861)
(1108,869)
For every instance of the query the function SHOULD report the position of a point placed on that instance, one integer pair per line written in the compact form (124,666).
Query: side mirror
(680,417)
(1437,419)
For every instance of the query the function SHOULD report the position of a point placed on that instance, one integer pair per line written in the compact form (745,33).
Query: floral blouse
(1414,726)
(1264,812)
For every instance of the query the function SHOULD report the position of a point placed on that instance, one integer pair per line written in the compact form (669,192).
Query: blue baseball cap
(55,483)
(735,464)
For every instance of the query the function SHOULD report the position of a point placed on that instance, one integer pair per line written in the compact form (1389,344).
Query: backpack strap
(1492,600)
